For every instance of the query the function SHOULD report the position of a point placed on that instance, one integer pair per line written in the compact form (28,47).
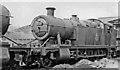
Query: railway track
(108,64)
(76,69)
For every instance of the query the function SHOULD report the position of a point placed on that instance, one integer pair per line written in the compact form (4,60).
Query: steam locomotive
(4,24)
(65,40)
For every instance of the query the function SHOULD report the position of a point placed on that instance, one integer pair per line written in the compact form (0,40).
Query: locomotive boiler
(50,26)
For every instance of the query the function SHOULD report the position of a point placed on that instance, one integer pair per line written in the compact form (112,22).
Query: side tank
(49,26)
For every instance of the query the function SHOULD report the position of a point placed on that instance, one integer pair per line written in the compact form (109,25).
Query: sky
(24,12)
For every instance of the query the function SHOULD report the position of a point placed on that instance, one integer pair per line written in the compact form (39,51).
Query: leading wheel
(46,62)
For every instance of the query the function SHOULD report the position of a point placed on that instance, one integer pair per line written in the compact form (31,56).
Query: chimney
(50,11)
(74,18)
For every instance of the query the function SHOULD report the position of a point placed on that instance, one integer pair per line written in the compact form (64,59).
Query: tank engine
(4,24)
(63,39)
(66,40)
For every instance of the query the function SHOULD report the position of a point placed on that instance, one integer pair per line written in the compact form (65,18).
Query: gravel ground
(105,63)
(84,63)
(63,66)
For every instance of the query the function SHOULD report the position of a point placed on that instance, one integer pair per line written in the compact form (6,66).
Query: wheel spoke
(46,62)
